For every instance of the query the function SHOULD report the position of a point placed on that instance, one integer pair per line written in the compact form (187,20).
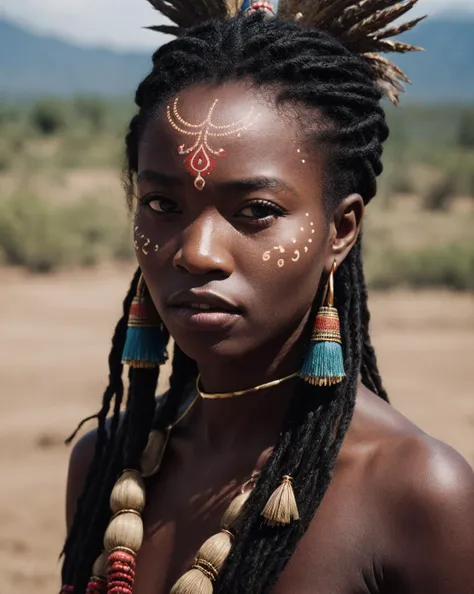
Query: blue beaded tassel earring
(145,345)
(324,364)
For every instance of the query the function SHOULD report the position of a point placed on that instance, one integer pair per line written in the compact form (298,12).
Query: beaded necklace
(114,570)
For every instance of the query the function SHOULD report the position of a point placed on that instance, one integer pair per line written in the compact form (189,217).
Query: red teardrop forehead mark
(199,159)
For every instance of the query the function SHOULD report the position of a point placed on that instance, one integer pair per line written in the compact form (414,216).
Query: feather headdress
(365,27)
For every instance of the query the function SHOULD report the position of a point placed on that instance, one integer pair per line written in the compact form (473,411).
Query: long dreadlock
(344,80)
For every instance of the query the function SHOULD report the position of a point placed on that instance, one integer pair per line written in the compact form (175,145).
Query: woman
(280,467)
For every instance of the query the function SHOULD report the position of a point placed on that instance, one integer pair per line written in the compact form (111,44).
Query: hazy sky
(119,23)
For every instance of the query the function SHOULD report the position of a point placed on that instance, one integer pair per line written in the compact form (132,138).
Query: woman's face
(230,227)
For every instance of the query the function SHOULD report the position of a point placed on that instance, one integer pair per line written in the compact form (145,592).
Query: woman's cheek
(300,246)
(149,237)
(149,244)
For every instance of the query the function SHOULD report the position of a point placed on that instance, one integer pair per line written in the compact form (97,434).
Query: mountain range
(33,65)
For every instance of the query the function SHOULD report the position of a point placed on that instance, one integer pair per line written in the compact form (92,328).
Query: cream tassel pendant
(194,581)
(209,561)
(281,508)
(212,555)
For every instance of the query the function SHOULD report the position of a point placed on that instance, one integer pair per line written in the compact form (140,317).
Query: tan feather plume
(363,26)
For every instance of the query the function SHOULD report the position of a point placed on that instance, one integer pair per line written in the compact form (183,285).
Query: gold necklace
(222,395)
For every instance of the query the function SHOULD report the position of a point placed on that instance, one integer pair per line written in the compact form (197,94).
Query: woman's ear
(344,229)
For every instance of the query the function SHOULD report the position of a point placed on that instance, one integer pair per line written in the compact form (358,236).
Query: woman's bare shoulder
(80,460)
(426,490)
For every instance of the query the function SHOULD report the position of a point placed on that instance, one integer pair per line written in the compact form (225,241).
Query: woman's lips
(203,318)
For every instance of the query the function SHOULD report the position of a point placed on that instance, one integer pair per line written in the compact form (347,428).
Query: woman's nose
(204,249)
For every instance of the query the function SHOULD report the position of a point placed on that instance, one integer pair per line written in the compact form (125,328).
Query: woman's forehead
(226,111)
(241,129)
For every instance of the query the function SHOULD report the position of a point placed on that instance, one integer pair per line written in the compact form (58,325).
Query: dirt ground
(54,340)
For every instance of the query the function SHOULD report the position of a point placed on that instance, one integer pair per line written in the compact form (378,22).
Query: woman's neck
(255,415)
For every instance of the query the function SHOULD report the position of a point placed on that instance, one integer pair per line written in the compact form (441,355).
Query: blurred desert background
(66,258)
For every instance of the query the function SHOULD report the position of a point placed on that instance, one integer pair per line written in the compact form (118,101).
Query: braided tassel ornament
(281,508)
(98,582)
(121,572)
(114,570)
(124,535)
(153,453)
(213,553)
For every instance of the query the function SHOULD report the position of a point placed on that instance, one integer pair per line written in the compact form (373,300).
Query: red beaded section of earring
(67,590)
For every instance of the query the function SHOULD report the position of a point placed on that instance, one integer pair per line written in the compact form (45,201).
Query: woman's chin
(206,347)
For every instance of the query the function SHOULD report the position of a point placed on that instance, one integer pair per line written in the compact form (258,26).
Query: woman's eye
(260,210)
(161,204)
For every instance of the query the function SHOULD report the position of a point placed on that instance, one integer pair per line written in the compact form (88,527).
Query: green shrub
(465,136)
(447,266)
(48,117)
(439,195)
(92,110)
(401,182)
(43,236)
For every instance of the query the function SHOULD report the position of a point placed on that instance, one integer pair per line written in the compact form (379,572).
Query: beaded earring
(144,344)
(324,364)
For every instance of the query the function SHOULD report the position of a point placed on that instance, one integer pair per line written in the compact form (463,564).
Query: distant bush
(48,117)
(465,135)
(10,113)
(92,110)
(42,236)
(446,266)
(400,182)
(438,196)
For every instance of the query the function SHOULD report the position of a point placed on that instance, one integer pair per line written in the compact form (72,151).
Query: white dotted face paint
(142,243)
(295,255)
(299,153)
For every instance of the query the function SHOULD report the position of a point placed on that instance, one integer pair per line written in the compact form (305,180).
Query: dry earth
(54,339)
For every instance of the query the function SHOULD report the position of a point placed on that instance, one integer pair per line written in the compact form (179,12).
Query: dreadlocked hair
(301,67)
(105,440)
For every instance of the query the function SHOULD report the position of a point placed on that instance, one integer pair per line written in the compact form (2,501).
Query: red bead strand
(96,586)
(120,573)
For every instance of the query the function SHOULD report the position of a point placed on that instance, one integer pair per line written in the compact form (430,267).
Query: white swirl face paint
(296,254)
(143,243)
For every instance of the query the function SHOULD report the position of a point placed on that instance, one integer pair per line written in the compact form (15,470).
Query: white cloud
(120,23)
